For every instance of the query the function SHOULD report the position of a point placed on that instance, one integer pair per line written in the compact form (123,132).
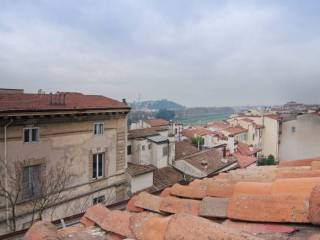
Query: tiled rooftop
(156,122)
(184,148)
(209,161)
(199,131)
(146,132)
(235,130)
(13,102)
(138,169)
(219,125)
(241,204)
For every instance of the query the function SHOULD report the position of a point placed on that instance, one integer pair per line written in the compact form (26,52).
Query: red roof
(251,197)
(236,130)
(247,150)
(275,117)
(13,102)
(156,122)
(245,161)
(219,125)
(191,132)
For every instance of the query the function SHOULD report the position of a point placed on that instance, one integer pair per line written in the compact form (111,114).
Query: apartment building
(86,134)
(291,136)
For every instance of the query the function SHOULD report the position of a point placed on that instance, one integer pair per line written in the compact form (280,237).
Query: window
(143,147)
(98,128)
(149,146)
(293,129)
(129,150)
(31,181)
(165,151)
(98,165)
(99,199)
(30,135)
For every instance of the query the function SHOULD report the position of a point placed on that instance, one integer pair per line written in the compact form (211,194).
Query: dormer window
(98,128)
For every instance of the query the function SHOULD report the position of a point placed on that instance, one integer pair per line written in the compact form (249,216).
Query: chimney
(124,101)
(224,151)
(57,98)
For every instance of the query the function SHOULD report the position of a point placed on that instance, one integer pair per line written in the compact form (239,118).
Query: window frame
(31,182)
(101,130)
(95,162)
(129,152)
(165,153)
(30,134)
(99,199)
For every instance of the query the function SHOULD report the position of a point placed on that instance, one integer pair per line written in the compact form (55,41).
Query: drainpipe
(6,172)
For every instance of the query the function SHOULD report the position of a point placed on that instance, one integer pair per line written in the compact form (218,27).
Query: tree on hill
(165,114)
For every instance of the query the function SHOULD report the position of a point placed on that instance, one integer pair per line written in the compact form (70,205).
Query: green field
(203,119)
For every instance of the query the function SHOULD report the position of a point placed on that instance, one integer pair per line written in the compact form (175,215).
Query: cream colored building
(155,146)
(291,137)
(300,138)
(85,133)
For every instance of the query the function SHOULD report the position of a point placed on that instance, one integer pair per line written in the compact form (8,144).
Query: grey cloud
(199,53)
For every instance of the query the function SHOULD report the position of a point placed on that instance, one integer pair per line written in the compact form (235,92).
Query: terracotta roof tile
(244,194)
(188,191)
(142,133)
(214,207)
(188,227)
(148,201)
(298,174)
(42,231)
(258,228)
(166,177)
(87,222)
(219,125)
(209,161)
(200,131)
(118,222)
(252,188)
(315,165)
(245,161)
(247,150)
(157,122)
(297,163)
(269,208)
(235,130)
(166,192)
(131,205)
(149,226)
(97,213)
(184,149)
(41,102)
(314,205)
(138,169)
(220,188)
(177,205)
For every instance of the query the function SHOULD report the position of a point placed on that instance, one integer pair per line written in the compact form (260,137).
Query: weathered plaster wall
(72,144)
(303,141)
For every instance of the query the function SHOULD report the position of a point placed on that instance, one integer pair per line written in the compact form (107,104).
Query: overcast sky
(201,52)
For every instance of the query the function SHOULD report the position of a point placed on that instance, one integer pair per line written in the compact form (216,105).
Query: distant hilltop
(156,105)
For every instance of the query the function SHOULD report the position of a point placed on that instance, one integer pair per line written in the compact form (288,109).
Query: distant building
(85,133)
(291,137)
(152,145)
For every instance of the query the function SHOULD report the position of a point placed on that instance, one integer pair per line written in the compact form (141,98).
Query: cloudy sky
(195,52)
